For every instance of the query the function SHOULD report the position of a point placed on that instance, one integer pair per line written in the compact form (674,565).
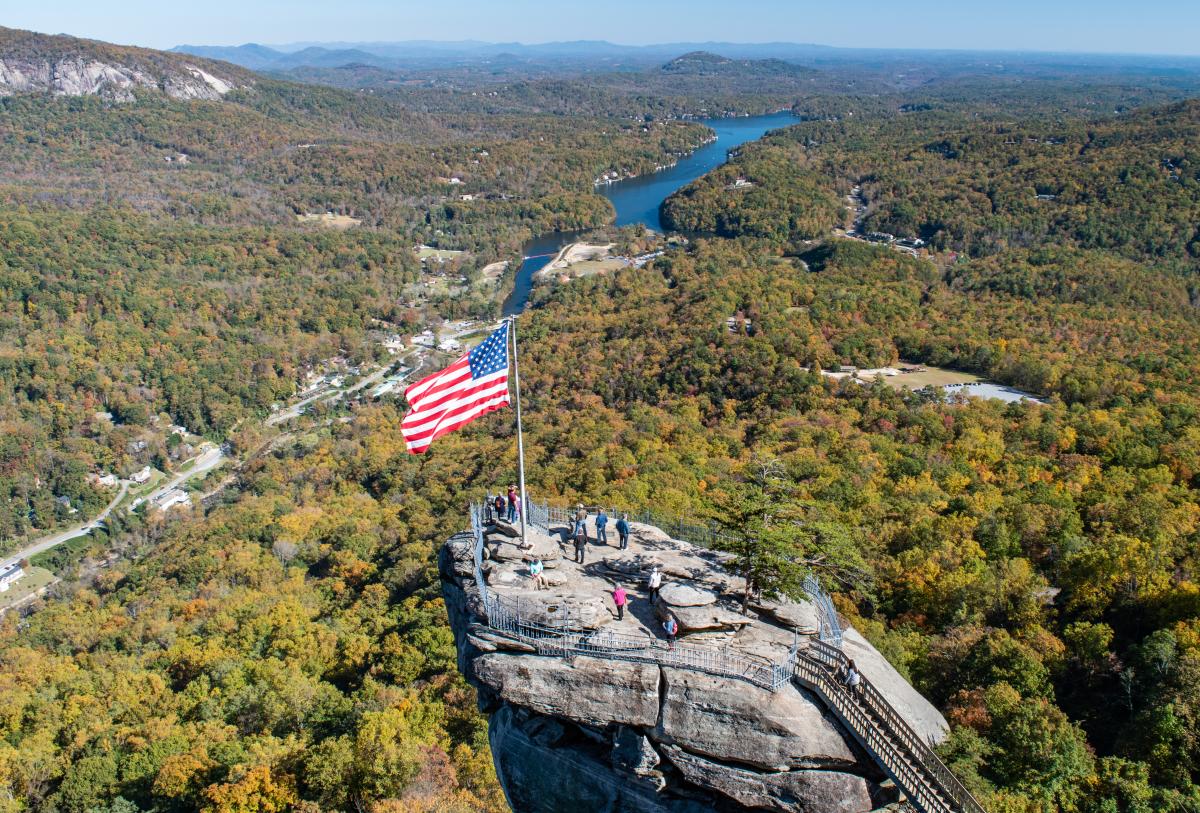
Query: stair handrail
(902,753)
(832,660)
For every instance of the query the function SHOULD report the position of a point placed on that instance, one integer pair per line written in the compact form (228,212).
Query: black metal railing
(899,751)
(542,515)
(565,636)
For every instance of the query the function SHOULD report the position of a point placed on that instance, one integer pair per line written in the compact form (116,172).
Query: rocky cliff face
(597,734)
(65,66)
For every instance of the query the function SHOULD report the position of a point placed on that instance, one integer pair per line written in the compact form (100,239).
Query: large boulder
(633,752)
(800,616)
(912,706)
(542,775)
(703,619)
(515,549)
(504,528)
(557,607)
(735,721)
(799,791)
(590,691)
(682,595)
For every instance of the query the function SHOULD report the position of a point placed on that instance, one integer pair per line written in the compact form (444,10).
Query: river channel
(637,200)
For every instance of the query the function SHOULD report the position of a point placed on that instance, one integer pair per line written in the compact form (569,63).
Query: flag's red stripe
(450,378)
(416,447)
(434,427)
(420,388)
(463,389)
(431,425)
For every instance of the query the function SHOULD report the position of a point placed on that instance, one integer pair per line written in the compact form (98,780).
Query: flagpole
(524,502)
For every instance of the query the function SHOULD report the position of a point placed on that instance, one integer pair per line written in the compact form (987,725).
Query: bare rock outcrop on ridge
(590,733)
(67,66)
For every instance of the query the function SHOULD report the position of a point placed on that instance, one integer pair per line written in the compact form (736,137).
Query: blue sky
(1131,26)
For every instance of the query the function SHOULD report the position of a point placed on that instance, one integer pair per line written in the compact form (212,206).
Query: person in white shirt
(654,582)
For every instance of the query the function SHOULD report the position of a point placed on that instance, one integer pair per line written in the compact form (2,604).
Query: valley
(756,289)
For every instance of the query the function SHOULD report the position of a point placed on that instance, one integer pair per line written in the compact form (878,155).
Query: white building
(450,346)
(383,389)
(169,499)
(9,573)
(141,476)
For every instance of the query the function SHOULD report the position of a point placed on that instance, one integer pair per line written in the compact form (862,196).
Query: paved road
(48,542)
(207,461)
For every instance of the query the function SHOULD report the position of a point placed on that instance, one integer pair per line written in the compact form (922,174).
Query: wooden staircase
(908,760)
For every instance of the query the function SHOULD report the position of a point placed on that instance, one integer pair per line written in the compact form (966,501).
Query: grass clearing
(440,254)
(929,377)
(330,221)
(35,579)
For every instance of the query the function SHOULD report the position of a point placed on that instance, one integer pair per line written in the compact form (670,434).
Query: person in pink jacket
(620,598)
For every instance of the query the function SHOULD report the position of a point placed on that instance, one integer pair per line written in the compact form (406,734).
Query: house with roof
(9,573)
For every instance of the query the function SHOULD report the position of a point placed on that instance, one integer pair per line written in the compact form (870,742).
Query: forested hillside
(1031,567)
(1128,184)
(151,260)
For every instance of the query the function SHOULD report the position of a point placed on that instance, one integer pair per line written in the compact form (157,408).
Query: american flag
(474,385)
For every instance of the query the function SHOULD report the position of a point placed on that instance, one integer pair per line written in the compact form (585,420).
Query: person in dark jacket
(623,531)
(601,528)
(579,532)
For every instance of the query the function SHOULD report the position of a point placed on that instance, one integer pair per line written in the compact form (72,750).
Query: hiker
(535,572)
(852,677)
(580,534)
(671,626)
(654,583)
(601,528)
(512,503)
(498,505)
(620,598)
(623,531)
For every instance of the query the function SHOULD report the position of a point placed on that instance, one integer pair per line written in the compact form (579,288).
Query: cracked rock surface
(587,733)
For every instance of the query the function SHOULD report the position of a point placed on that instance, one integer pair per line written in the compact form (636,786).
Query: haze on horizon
(1152,27)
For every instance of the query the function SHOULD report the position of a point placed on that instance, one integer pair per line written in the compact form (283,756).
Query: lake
(637,200)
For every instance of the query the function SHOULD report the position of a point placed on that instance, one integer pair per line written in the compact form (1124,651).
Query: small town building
(169,499)
(142,475)
(9,573)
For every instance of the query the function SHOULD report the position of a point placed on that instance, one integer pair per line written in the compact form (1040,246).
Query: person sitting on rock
(654,582)
(620,599)
(671,627)
(535,572)
(601,528)
(623,531)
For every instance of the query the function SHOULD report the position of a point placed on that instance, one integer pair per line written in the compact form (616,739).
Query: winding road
(208,460)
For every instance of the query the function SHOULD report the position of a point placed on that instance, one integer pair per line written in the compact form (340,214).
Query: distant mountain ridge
(423,52)
(432,53)
(67,66)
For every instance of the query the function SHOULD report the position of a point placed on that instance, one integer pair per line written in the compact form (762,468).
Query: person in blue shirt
(601,528)
(623,531)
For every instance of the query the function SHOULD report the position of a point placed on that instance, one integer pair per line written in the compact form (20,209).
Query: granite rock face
(67,66)
(587,733)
